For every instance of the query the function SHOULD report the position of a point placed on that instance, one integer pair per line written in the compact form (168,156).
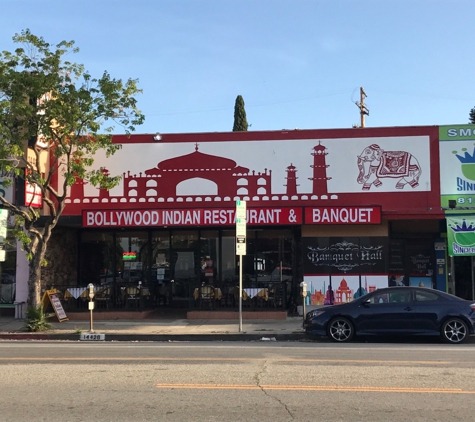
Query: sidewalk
(289,329)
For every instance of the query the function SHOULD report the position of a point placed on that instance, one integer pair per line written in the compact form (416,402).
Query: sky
(296,63)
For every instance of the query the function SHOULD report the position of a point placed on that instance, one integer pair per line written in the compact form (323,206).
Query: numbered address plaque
(92,337)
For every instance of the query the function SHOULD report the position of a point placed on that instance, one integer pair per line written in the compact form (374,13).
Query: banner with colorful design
(461,235)
(457,167)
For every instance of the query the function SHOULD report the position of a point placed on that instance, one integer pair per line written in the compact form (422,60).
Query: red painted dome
(197,161)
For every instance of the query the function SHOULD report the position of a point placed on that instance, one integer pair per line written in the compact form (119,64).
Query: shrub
(37,320)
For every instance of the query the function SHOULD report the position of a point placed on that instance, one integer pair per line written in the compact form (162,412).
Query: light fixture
(15,161)
(157,137)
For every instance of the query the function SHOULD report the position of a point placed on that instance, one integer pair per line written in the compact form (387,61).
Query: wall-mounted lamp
(15,161)
(157,137)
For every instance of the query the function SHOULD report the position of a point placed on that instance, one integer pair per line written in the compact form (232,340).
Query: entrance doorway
(463,284)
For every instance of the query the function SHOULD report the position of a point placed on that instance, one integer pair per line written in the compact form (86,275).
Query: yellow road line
(230,359)
(317,388)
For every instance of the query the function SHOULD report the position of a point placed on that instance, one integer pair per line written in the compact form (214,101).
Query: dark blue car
(396,311)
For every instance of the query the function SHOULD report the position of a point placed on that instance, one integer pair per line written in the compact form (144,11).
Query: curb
(159,337)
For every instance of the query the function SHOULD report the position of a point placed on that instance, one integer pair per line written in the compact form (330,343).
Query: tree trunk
(34,281)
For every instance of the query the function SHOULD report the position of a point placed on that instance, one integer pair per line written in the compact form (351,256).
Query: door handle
(408,308)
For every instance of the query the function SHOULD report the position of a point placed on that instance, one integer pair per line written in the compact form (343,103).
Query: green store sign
(457,166)
(461,235)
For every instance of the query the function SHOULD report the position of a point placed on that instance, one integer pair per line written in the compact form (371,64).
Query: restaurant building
(344,210)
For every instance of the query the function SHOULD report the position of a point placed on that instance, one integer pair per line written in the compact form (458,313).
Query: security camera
(157,137)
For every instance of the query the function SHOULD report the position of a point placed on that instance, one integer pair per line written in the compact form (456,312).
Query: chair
(103,297)
(132,296)
(162,294)
(276,296)
(206,296)
(145,297)
(218,296)
(228,299)
(262,297)
(234,295)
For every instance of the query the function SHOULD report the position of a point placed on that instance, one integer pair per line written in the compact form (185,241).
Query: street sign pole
(240,293)
(3,233)
(240,247)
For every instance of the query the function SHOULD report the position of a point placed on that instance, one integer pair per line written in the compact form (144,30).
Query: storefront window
(8,271)
(268,257)
(274,254)
(209,257)
(229,269)
(98,265)
(340,269)
(173,263)
(135,257)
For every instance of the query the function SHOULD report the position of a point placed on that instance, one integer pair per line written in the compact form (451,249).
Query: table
(217,293)
(258,292)
(81,294)
(76,292)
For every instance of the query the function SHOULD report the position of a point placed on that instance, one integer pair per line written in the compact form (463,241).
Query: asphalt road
(238,381)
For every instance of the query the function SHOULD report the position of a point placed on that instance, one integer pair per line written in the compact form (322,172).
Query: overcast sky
(297,63)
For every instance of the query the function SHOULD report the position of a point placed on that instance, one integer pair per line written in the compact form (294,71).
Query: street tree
(471,116)
(54,116)
(240,121)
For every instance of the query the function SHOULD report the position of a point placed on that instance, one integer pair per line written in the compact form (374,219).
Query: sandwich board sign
(51,297)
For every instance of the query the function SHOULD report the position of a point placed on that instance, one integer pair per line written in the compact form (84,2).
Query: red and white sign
(190,217)
(343,215)
(33,196)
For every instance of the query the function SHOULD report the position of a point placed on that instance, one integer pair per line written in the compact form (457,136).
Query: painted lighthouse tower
(291,180)
(319,179)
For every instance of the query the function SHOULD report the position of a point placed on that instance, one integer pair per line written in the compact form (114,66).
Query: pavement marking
(214,359)
(317,388)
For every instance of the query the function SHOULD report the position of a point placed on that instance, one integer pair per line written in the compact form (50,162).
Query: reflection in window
(426,296)
(209,257)
(8,270)
(134,262)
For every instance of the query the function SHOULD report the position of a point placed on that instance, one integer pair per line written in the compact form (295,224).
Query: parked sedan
(396,311)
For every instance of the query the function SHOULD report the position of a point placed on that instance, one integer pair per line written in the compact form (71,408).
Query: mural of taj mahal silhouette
(232,182)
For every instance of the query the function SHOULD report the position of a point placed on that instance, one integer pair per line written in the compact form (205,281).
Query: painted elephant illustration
(374,163)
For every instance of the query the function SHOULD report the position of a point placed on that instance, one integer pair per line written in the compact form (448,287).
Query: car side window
(379,298)
(399,297)
(426,297)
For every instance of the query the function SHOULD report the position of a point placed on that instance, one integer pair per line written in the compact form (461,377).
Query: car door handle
(408,308)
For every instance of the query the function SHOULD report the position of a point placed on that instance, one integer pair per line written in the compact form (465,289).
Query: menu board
(396,256)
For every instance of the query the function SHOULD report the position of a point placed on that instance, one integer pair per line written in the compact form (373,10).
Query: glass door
(184,267)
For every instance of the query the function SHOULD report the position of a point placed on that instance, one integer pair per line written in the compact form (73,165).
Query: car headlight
(315,313)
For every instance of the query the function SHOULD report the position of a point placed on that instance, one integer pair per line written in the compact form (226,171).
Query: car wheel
(340,330)
(454,331)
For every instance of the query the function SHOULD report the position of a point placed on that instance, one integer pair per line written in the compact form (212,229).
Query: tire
(454,331)
(340,330)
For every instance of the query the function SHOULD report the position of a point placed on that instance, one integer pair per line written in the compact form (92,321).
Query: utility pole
(361,105)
